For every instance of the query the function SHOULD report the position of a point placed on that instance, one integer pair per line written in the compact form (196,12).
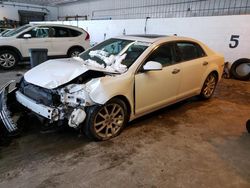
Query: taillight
(87,37)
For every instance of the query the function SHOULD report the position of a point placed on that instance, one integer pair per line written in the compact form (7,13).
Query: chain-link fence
(171,8)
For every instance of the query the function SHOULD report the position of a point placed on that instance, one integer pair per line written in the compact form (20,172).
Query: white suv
(60,40)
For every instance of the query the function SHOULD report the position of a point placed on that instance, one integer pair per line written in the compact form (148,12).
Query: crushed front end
(44,102)
(66,102)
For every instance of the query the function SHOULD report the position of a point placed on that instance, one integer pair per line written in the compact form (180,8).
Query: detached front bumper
(42,110)
(14,103)
(10,103)
(5,115)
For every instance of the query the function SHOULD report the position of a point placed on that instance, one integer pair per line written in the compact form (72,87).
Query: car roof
(56,25)
(151,38)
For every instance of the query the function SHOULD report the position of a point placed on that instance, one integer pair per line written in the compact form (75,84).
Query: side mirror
(152,65)
(27,36)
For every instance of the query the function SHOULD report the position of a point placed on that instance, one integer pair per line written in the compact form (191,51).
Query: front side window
(164,55)
(189,51)
(114,54)
(38,32)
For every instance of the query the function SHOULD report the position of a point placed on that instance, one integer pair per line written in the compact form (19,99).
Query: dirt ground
(191,144)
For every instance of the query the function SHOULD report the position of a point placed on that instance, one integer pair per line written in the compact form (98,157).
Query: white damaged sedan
(114,82)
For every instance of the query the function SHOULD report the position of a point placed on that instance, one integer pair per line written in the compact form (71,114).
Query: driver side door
(155,89)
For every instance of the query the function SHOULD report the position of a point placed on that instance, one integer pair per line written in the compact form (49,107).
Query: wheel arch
(126,101)
(13,49)
(216,72)
(121,97)
(73,47)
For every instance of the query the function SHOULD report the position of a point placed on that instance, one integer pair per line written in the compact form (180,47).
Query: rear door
(194,63)
(63,39)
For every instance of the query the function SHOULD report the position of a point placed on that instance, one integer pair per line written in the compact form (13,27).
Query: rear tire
(209,86)
(74,52)
(8,59)
(241,69)
(106,121)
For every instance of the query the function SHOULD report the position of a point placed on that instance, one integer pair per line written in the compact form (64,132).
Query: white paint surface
(40,109)
(214,31)
(58,72)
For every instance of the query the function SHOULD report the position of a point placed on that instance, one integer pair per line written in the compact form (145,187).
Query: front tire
(209,86)
(106,121)
(8,59)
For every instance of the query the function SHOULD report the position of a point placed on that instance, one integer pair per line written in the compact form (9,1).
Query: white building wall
(10,10)
(216,31)
(134,9)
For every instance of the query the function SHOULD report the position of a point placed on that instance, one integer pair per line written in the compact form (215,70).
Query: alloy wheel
(7,60)
(209,85)
(109,120)
(75,54)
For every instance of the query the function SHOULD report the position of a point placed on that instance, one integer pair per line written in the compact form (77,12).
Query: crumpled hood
(54,73)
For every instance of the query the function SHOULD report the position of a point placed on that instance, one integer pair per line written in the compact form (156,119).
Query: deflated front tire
(106,121)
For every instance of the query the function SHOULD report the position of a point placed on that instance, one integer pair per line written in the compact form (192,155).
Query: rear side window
(189,51)
(74,33)
(59,32)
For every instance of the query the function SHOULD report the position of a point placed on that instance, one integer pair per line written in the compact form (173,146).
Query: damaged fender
(103,89)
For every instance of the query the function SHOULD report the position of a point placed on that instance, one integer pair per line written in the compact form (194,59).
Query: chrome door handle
(205,63)
(175,71)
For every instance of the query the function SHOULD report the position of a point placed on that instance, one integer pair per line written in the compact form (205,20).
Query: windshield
(4,32)
(15,31)
(115,55)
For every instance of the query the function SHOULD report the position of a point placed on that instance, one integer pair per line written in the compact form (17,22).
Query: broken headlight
(75,95)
